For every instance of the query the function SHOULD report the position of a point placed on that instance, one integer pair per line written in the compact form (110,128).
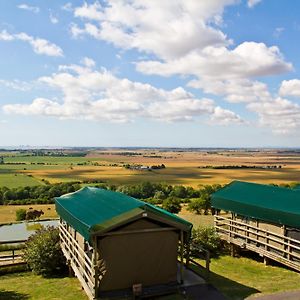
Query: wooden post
(181,256)
(188,250)
(207,262)
(95,260)
(266,261)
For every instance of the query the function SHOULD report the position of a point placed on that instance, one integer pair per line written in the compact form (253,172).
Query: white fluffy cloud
(235,90)
(249,59)
(281,115)
(39,46)
(169,28)
(290,88)
(185,39)
(33,9)
(252,3)
(16,84)
(99,95)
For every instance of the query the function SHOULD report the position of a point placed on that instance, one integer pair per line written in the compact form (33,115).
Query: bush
(172,205)
(207,238)
(43,253)
(20,214)
(197,205)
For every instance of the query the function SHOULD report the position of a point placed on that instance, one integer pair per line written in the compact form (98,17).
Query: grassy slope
(30,286)
(238,278)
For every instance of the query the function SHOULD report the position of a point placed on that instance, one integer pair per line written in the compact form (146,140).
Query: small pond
(21,231)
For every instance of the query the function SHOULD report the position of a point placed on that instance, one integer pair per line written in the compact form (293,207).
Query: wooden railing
(80,262)
(203,254)
(10,252)
(268,244)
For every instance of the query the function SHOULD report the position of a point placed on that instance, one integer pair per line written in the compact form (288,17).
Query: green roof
(92,211)
(264,202)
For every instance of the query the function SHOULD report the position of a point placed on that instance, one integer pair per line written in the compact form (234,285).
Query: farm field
(8,212)
(188,168)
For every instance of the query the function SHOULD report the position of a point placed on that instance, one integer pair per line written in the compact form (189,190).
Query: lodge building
(261,218)
(114,242)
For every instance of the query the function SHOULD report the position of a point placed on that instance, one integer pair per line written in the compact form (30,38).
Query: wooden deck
(267,244)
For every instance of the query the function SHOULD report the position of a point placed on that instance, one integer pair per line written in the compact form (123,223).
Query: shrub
(196,205)
(20,214)
(207,238)
(172,205)
(43,253)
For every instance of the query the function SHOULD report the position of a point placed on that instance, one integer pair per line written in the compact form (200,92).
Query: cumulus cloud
(16,84)
(235,90)
(249,59)
(179,27)
(39,46)
(252,3)
(99,95)
(27,7)
(225,117)
(281,115)
(290,88)
(53,18)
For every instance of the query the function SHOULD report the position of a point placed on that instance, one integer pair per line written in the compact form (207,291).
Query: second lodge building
(261,218)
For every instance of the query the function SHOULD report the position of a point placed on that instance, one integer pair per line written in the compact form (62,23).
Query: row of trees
(36,194)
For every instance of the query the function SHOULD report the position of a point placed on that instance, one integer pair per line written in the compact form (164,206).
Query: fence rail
(10,252)
(268,244)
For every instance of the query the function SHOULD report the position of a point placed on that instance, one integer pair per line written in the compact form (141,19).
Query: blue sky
(177,73)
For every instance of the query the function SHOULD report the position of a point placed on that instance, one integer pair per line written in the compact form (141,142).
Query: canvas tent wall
(129,241)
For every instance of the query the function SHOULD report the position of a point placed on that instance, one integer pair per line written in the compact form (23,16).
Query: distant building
(261,218)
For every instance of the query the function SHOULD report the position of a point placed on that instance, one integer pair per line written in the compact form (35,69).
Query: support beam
(181,256)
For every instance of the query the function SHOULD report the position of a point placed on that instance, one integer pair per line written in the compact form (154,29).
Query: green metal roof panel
(92,210)
(269,203)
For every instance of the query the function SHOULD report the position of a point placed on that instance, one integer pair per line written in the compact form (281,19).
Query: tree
(197,205)
(172,205)
(43,253)
(207,238)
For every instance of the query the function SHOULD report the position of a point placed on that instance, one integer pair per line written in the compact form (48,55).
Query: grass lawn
(238,278)
(29,286)
(26,285)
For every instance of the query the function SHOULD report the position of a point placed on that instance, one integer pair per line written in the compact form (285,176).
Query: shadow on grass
(229,288)
(11,295)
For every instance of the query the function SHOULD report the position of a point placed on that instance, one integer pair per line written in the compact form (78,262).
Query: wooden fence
(78,259)
(266,243)
(10,253)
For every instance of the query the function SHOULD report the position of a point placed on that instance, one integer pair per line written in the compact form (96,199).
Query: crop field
(191,168)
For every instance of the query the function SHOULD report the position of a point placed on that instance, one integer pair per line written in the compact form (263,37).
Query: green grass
(238,278)
(29,286)
(12,180)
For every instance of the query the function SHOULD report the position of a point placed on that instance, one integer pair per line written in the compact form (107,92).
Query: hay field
(8,212)
(182,167)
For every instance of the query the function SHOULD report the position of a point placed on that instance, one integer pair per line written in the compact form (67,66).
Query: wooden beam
(181,256)
(138,231)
